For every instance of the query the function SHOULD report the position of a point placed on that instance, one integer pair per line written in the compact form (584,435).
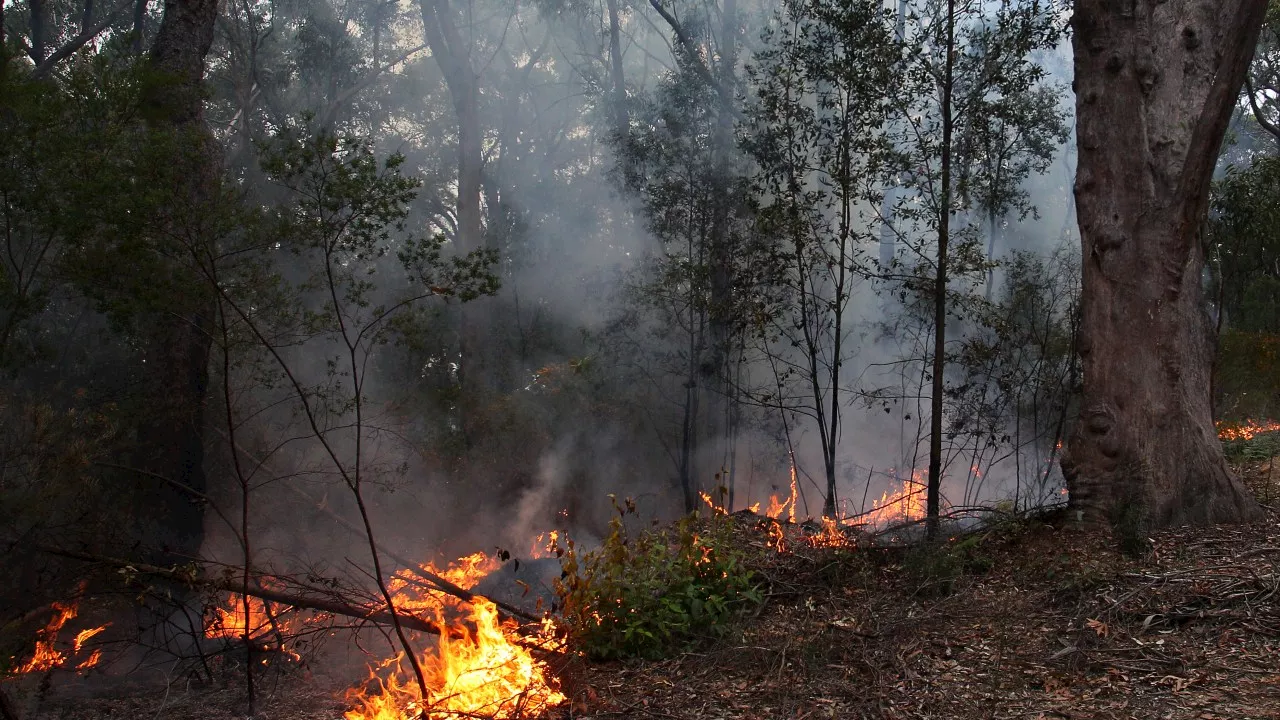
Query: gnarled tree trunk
(1155,85)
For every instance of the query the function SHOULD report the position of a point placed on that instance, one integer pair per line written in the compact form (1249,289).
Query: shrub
(657,592)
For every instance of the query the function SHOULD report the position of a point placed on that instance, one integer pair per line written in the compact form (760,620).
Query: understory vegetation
(318,317)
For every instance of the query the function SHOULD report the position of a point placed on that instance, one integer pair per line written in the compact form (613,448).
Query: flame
(1246,430)
(777,538)
(715,509)
(230,621)
(545,545)
(905,504)
(489,671)
(84,635)
(47,656)
(777,507)
(831,535)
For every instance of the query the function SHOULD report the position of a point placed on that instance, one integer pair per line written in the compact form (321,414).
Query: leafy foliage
(1244,238)
(655,592)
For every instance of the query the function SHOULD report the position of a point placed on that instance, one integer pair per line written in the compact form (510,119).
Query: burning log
(373,614)
(439,583)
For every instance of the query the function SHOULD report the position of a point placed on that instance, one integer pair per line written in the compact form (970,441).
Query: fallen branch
(360,612)
(437,582)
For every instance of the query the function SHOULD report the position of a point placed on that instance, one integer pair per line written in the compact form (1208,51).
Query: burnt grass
(1026,618)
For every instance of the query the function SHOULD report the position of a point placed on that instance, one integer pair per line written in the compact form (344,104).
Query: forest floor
(1027,619)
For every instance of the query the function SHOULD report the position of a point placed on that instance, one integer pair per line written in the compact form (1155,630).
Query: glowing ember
(48,656)
(486,672)
(1246,430)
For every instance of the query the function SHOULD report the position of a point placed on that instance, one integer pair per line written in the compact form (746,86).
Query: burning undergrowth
(490,635)
(59,645)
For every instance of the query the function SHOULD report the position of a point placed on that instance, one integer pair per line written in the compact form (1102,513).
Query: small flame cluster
(268,624)
(1246,430)
(481,667)
(905,503)
(49,655)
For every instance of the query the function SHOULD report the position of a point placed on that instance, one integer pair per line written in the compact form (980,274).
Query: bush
(661,591)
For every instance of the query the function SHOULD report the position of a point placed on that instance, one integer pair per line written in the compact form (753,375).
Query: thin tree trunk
(454,58)
(139,24)
(1156,83)
(621,121)
(933,495)
(38,30)
(716,385)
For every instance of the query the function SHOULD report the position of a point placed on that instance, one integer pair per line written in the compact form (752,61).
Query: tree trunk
(1155,86)
(38,30)
(622,123)
(177,339)
(933,489)
(720,311)
(454,58)
(139,25)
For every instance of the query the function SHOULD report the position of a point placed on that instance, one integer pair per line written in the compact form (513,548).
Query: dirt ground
(1029,619)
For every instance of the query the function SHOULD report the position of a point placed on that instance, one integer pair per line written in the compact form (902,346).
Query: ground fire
(50,653)
(483,665)
(1246,430)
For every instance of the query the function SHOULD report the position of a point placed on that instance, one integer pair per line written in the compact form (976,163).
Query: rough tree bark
(1155,82)
(177,340)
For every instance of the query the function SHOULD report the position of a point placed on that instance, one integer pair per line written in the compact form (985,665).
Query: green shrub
(935,568)
(657,592)
(1259,447)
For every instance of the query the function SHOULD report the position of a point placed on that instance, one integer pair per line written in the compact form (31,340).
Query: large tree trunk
(1155,85)
(177,340)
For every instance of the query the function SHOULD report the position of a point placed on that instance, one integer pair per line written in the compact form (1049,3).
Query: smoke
(582,408)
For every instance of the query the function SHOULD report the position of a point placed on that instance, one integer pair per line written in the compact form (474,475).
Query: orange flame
(905,504)
(715,509)
(1246,430)
(230,621)
(47,656)
(777,507)
(489,671)
(831,536)
(545,545)
(777,538)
